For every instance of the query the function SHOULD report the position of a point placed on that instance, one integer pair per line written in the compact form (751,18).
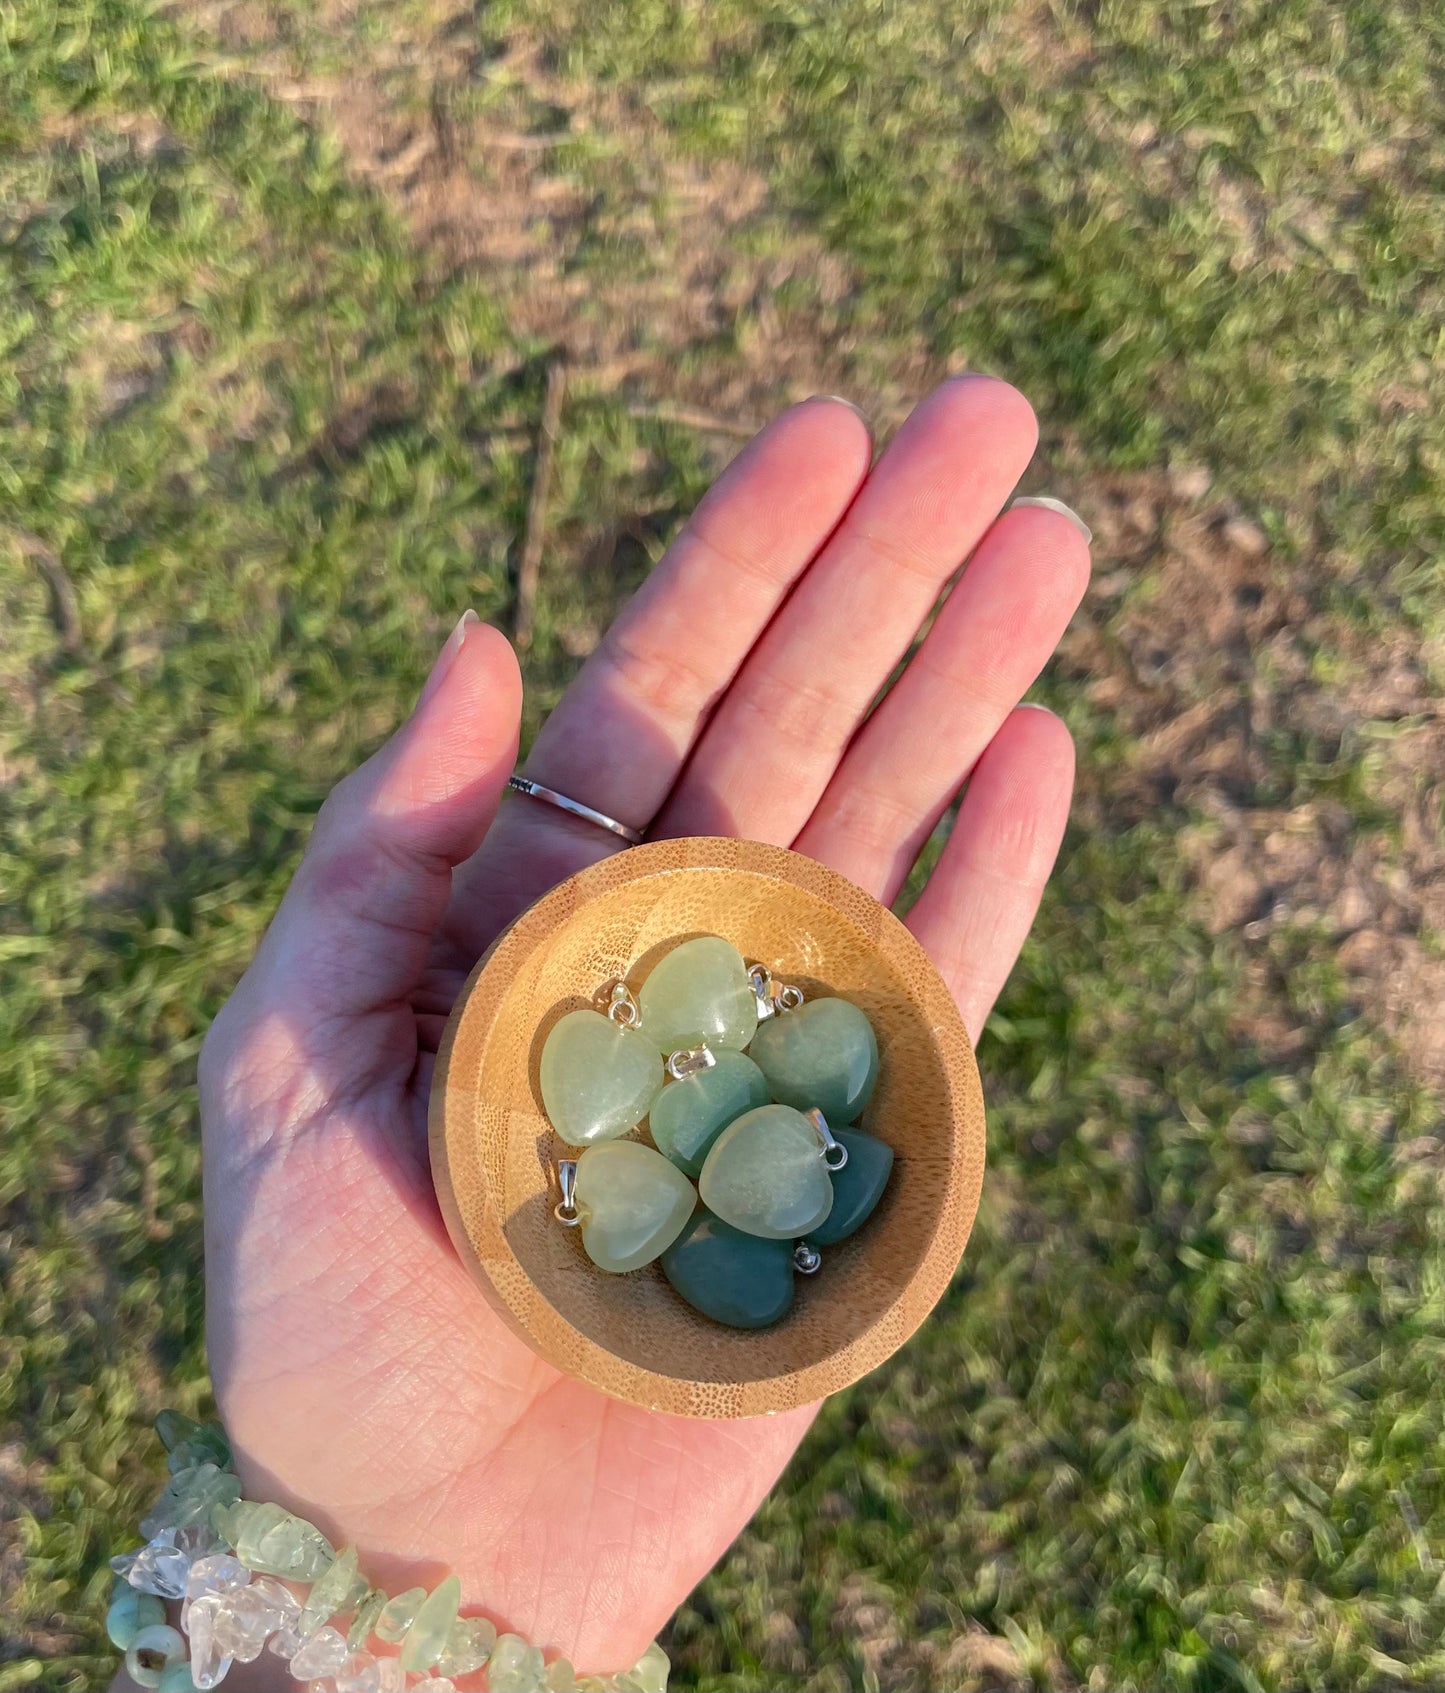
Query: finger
(986,647)
(622,731)
(352,935)
(773,744)
(975,912)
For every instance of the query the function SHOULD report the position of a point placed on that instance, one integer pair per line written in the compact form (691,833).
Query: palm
(361,1375)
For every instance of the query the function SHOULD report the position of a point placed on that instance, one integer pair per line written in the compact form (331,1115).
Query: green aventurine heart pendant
(734,1278)
(631,1202)
(699,995)
(765,1175)
(857,1187)
(823,1056)
(689,1115)
(598,1078)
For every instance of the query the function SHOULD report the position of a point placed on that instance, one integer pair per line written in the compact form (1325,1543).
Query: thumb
(353,933)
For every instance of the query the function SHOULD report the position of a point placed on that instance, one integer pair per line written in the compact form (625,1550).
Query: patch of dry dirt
(680,288)
(1226,658)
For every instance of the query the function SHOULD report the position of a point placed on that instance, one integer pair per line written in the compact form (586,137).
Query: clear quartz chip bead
(197,1540)
(390,1676)
(217,1573)
(285,1643)
(214,1574)
(434,1684)
(259,1610)
(160,1567)
(323,1654)
(359,1674)
(242,1624)
(209,1665)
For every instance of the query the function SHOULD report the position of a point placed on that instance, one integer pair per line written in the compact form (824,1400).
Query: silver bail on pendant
(622,1008)
(566,1212)
(833,1153)
(690,1061)
(772,997)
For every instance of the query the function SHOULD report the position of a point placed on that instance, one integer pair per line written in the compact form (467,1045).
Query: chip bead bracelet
(236,1567)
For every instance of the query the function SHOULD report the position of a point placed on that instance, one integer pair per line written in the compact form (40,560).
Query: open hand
(363,1379)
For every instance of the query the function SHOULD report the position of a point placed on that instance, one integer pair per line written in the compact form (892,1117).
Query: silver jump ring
(550,796)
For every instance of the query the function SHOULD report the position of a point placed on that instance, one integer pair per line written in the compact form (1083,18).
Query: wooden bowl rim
(453,1139)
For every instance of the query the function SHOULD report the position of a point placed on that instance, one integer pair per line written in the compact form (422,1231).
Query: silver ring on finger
(574,808)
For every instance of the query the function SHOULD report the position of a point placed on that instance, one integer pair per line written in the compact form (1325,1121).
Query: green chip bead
(229,1519)
(130,1612)
(823,1056)
(368,1610)
(273,1542)
(653,1669)
(399,1613)
(515,1667)
(598,1079)
(688,1115)
(191,1496)
(468,1646)
(173,1427)
(699,995)
(207,1445)
(426,1639)
(561,1677)
(338,1589)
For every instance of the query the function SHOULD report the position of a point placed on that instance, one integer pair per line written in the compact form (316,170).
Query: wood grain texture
(494,1154)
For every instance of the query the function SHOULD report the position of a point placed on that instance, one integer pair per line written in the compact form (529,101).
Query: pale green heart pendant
(699,995)
(632,1204)
(598,1078)
(823,1056)
(689,1115)
(765,1175)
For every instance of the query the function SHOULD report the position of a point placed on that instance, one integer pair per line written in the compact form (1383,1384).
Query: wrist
(260,1582)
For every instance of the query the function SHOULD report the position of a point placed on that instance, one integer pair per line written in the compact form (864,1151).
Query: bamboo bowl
(494,1154)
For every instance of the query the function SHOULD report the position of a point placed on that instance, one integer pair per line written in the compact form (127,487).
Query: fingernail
(447,656)
(1057,505)
(843,400)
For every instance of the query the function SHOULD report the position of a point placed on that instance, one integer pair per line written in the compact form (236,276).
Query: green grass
(1178,1417)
